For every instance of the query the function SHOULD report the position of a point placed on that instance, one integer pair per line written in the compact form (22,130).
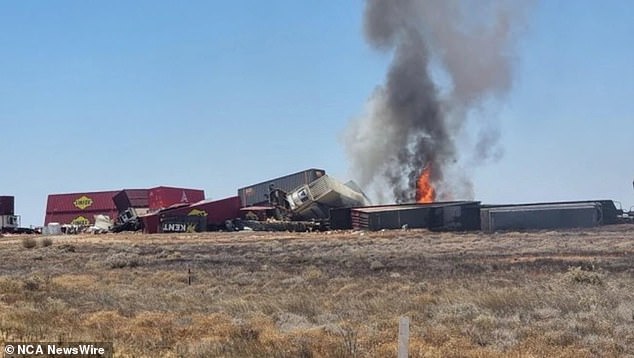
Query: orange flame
(425,192)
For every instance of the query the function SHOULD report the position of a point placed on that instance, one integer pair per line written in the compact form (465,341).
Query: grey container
(610,214)
(258,194)
(314,201)
(541,217)
(7,205)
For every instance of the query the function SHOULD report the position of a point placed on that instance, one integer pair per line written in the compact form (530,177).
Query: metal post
(403,337)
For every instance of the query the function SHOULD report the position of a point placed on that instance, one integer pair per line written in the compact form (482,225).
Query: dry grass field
(335,294)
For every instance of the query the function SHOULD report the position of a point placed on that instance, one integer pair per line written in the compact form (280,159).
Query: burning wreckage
(306,201)
(404,149)
(312,200)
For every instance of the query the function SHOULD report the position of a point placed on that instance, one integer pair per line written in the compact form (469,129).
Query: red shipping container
(165,196)
(216,212)
(74,202)
(151,223)
(78,217)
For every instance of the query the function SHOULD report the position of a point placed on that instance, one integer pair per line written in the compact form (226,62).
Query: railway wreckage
(303,208)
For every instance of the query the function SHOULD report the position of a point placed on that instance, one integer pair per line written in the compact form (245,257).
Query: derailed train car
(441,216)
(258,194)
(206,215)
(472,216)
(316,199)
(80,208)
(552,215)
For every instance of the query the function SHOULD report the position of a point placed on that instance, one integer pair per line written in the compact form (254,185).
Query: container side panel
(551,218)
(257,194)
(7,205)
(215,212)
(60,203)
(78,217)
(151,224)
(183,224)
(442,217)
(163,197)
(131,198)
(341,219)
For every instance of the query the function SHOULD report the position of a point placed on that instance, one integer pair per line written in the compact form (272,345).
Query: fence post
(403,337)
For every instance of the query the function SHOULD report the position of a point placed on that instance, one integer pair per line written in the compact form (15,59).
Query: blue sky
(119,94)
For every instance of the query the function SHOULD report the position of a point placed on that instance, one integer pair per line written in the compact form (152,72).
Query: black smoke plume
(449,57)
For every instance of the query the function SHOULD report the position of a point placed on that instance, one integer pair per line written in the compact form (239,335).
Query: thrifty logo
(80,220)
(83,202)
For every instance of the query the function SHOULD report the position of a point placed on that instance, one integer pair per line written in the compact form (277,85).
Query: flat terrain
(333,294)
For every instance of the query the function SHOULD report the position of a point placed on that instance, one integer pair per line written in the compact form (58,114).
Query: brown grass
(560,294)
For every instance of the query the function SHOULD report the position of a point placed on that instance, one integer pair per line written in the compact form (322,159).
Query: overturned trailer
(206,215)
(304,208)
(131,198)
(259,194)
(130,203)
(316,199)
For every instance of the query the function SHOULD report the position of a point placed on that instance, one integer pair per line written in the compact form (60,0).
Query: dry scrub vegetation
(544,294)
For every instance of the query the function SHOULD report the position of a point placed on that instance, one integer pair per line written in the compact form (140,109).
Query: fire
(425,192)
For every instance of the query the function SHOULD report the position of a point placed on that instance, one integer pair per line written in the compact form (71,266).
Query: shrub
(46,242)
(29,243)
(579,275)
(66,248)
(122,259)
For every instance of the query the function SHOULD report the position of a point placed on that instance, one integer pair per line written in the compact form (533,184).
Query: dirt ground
(331,294)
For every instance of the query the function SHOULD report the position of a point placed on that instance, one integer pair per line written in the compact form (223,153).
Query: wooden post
(189,275)
(403,337)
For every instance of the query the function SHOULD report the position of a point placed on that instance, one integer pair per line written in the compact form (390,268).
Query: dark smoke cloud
(413,121)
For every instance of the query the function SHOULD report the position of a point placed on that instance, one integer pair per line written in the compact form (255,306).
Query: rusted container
(214,212)
(81,202)
(440,216)
(84,218)
(165,196)
(257,194)
(151,223)
(131,198)
(7,205)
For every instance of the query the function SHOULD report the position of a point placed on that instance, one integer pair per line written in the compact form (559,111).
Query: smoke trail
(413,120)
